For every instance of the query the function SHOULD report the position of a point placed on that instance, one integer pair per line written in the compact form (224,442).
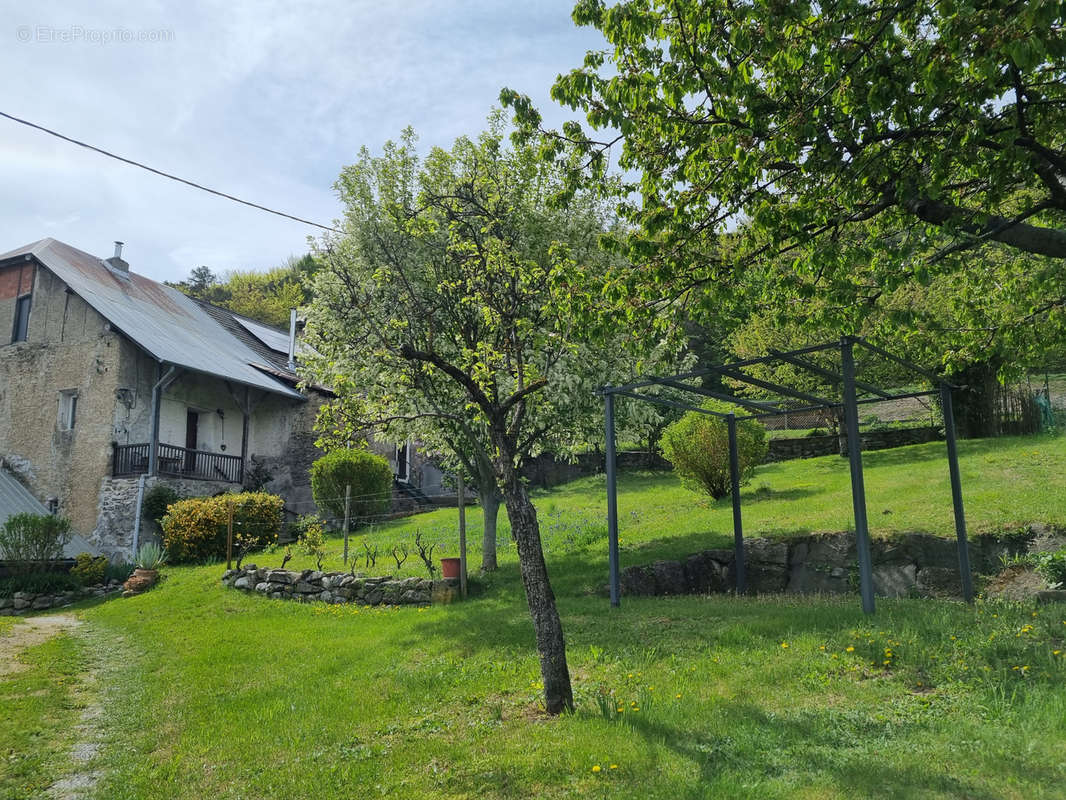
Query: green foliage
(263,296)
(118,571)
(150,556)
(195,529)
(368,475)
(310,534)
(88,570)
(698,447)
(157,500)
(862,146)
(30,540)
(38,582)
(1052,567)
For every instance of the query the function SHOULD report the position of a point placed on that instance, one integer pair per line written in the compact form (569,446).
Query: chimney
(116,262)
(292,340)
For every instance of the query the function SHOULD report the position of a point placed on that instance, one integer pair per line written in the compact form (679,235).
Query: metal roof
(16,499)
(169,326)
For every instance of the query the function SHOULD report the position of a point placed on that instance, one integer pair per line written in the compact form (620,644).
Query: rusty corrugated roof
(165,323)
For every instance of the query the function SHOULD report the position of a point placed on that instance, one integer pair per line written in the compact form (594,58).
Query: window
(22,319)
(68,409)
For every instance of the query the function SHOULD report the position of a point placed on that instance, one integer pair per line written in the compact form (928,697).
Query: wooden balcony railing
(179,462)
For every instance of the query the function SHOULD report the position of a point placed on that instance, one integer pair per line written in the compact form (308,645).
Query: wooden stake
(462,536)
(229,534)
(347,517)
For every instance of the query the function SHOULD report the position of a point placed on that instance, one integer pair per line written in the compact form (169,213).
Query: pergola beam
(828,374)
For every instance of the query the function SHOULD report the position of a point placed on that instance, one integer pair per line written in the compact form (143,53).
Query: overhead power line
(160,172)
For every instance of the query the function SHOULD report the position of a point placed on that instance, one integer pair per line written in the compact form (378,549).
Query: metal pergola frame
(760,410)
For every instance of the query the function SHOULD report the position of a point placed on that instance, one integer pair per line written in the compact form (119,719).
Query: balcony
(177,462)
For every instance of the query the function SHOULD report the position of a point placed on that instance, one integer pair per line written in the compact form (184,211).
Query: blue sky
(264,100)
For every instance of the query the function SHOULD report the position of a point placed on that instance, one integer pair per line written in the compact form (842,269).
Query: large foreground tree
(893,135)
(445,311)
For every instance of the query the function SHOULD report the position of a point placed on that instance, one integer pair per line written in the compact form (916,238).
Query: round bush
(698,447)
(369,476)
(196,529)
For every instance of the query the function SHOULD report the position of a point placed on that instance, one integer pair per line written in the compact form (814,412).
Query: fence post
(858,488)
(738,525)
(229,534)
(462,535)
(347,518)
(612,501)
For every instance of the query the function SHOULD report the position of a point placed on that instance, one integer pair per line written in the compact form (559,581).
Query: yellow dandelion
(678,697)
(821,647)
(595,767)
(614,766)
(784,645)
(850,648)
(1056,652)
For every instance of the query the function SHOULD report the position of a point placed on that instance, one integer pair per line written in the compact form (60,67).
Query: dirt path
(30,632)
(81,778)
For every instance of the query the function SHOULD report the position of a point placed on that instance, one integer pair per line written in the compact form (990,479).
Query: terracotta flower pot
(449,567)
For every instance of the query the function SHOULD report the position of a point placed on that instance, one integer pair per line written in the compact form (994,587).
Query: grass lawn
(214,693)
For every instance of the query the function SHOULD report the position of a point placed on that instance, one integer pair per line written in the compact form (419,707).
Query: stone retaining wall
(814,446)
(27,602)
(340,587)
(914,564)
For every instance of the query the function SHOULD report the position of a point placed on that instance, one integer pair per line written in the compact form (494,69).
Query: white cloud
(264,100)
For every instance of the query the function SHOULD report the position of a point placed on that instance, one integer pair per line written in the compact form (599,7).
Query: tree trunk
(490,511)
(551,647)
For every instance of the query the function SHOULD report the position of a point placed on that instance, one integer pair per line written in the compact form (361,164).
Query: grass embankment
(226,695)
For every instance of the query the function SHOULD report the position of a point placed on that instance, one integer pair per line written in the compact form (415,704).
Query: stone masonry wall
(915,564)
(340,587)
(814,446)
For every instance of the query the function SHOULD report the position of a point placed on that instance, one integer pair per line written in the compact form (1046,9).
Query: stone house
(111,382)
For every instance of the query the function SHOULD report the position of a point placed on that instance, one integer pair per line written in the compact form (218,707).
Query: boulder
(669,577)
(1051,596)
(244,582)
(303,587)
(373,597)
(444,592)
(635,581)
(894,580)
(414,597)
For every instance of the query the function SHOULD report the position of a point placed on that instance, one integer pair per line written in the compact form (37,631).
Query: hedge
(195,529)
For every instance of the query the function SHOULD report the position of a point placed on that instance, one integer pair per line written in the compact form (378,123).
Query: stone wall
(914,564)
(28,602)
(814,446)
(340,587)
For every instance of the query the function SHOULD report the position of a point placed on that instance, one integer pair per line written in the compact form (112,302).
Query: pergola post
(612,501)
(738,525)
(956,493)
(858,488)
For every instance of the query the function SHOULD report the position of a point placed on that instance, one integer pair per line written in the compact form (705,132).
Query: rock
(314,577)
(22,596)
(889,552)
(766,552)
(414,596)
(7,612)
(244,583)
(42,603)
(444,592)
(807,578)
(6,602)
(278,595)
(1051,596)
(669,577)
(20,604)
(249,568)
(932,551)
(229,573)
(262,587)
(343,593)
(347,580)
(373,597)
(892,580)
(831,551)
(938,582)
(325,597)
(327,582)
(303,587)
(634,581)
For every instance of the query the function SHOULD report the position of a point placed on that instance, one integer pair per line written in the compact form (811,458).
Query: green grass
(220,694)
(40,706)
(1007,483)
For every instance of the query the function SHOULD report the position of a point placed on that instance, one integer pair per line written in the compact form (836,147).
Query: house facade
(111,382)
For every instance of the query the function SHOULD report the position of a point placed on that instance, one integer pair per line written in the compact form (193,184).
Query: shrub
(157,500)
(118,571)
(39,583)
(88,570)
(150,556)
(369,476)
(1052,567)
(698,447)
(30,540)
(195,529)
